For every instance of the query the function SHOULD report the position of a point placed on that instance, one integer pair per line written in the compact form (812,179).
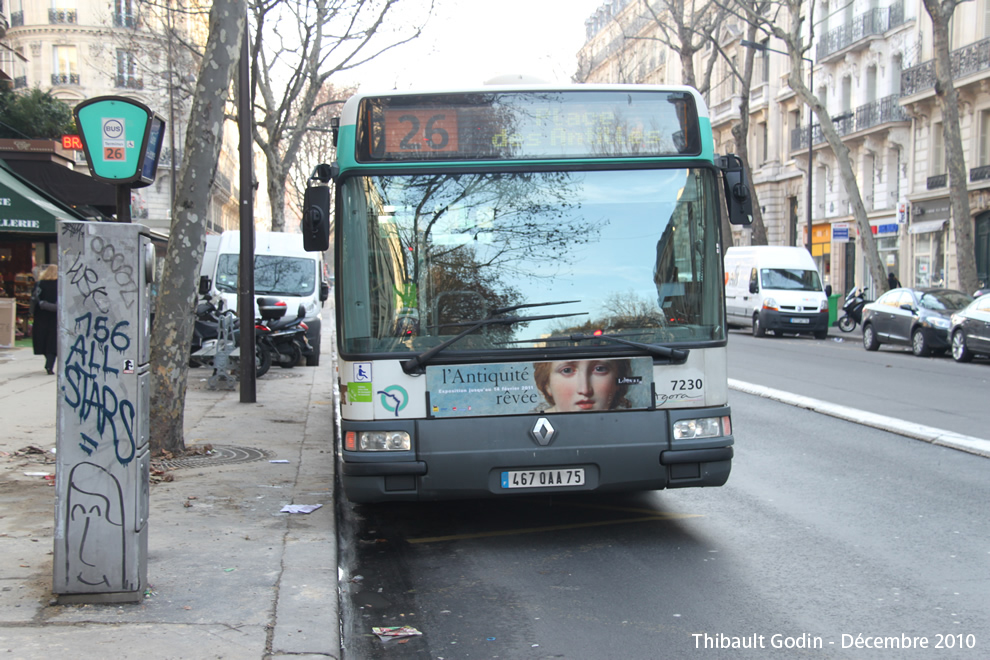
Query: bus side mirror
(204,285)
(316,210)
(738,199)
(324,291)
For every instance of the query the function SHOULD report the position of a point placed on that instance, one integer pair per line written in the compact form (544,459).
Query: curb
(928,434)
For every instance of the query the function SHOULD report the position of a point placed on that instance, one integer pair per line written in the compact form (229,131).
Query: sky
(467,42)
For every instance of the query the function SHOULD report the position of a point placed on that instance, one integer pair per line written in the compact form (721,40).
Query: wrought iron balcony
(938,181)
(866,116)
(879,112)
(16,18)
(874,22)
(981,173)
(126,21)
(65,78)
(20,82)
(62,16)
(965,61)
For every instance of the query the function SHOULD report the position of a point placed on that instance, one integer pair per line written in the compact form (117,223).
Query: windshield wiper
(654,350)
(416,364)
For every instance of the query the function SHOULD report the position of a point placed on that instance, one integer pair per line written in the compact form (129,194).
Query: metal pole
(811,114)
(123,202)
(246,300)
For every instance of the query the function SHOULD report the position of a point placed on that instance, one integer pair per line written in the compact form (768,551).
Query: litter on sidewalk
(300,508)
(386,633)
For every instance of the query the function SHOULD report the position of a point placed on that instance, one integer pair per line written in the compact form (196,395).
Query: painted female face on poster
(583,385)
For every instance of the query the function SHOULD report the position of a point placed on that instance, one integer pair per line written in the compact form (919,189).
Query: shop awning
(26,209)
(926,226)
(69,187)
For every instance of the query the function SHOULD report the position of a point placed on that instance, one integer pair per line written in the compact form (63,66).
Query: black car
(919,318)
(970,330)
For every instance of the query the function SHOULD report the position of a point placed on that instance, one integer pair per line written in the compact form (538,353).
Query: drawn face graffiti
(95,531)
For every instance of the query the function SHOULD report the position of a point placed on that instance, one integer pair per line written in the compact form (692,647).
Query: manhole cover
(221,455)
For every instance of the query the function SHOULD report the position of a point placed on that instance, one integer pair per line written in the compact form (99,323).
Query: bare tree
(172,330)
(687,27)
(740,135)
(948,102)
(783,20)
(316,145)
(298,45)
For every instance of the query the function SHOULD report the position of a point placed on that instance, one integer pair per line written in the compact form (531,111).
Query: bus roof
(348,116)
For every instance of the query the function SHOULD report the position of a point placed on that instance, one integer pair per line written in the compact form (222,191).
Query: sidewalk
(229,575)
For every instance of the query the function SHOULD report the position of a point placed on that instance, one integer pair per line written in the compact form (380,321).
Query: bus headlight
(705,427)
(377,441)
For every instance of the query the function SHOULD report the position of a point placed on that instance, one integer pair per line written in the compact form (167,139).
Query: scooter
(285,338)
(212,321)
(853,308)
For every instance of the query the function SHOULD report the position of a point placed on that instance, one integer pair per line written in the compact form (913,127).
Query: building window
(763,137)
(65,65)
(127,70)
(984,150)
(765,62)
(124,14)
(937,155)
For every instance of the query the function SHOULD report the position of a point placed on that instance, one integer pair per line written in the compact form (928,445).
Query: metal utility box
(103,459)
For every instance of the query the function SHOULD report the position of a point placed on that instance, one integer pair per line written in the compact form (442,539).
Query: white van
(282,269)
(774,289)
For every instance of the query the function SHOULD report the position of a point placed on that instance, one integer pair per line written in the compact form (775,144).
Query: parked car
(919,318)
(970,331)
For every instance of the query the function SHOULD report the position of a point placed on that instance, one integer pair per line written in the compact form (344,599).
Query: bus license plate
(543,478)
(794,320)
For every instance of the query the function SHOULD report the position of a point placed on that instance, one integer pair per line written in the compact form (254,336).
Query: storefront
(821,250)
(885,233)
(928,229)
(28,241)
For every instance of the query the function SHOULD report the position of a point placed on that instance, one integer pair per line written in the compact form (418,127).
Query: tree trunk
(851,186)
(276,191)
(867,243)
(174,318)
(948,102)
(740,133)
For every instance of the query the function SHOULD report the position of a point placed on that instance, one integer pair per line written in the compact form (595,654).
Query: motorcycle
(211,322)
(853,308)
(285,338)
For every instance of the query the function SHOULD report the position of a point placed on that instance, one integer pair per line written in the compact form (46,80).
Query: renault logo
(543,432)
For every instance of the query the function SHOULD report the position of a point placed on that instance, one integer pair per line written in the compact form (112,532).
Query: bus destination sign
(514,126)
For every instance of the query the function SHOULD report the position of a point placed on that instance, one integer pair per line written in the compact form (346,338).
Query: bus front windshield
(629,253)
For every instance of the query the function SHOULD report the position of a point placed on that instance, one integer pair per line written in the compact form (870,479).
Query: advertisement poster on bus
(540,387)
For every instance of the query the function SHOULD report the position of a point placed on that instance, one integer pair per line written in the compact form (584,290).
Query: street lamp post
(811,85)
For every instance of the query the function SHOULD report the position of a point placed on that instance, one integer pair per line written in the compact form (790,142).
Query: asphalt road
(827,532)
(935,391)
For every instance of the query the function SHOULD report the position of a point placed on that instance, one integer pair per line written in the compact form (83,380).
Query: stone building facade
(80,49)
(872,67)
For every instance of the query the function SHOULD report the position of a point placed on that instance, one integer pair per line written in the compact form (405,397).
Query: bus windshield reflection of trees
(634,251)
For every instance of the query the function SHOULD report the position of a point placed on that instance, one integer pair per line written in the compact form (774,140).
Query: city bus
(529,290)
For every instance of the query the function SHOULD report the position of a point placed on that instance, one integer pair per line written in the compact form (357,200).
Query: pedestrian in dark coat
(44,333)
(892,281)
